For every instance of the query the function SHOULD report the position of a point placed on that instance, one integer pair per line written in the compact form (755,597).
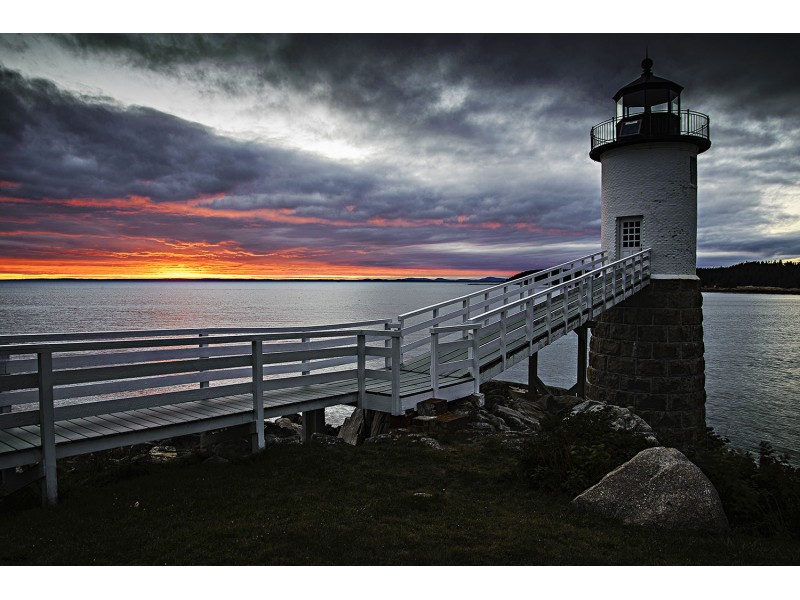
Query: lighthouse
(647,352)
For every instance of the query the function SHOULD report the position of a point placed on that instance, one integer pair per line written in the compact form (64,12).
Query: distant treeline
(778,274)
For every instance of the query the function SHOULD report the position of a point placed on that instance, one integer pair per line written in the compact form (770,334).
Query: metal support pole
(533,376)
(313,422)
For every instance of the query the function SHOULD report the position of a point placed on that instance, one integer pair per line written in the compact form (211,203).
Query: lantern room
(648,106)
(649,109)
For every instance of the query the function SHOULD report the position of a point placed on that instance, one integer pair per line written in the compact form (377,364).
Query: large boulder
(659,487)
(621,418)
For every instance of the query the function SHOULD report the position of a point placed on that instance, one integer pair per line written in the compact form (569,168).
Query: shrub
(571,454)
(759,493)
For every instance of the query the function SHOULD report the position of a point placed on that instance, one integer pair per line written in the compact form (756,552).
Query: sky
(366,155)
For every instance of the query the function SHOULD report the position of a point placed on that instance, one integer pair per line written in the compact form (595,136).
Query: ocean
(751,349)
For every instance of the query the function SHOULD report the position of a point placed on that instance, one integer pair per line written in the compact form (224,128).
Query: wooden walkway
(68,394)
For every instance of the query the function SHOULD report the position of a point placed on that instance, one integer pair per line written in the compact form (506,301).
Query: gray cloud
(469,130)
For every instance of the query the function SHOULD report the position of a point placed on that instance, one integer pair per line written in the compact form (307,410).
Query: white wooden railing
(63,378)
(108,373)
(512,332)
(415,325)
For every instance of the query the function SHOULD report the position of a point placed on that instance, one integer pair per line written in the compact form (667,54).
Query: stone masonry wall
(647,353)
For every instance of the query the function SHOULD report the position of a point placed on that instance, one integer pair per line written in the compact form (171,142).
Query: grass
(393,504)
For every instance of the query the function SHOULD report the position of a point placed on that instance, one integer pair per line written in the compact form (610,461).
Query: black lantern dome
(649,109)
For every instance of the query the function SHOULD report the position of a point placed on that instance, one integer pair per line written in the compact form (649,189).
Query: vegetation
(764,274)
(571,455)
(759,494)
(399,503)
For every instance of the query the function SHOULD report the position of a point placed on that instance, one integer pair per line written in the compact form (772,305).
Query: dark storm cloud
(392,73)
(57,145)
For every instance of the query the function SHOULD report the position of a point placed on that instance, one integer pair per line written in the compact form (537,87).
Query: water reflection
(751,346)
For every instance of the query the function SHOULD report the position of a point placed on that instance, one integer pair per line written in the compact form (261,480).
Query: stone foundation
(647,354)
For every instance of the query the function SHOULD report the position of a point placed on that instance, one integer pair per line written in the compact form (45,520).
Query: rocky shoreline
(659,487)
(752,289)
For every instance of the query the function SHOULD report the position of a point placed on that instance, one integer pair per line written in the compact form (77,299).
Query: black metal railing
(655,124)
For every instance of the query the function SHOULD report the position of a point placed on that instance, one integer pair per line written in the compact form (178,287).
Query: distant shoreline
(752,289)
(482,281)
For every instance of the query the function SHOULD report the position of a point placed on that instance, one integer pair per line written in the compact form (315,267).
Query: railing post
(585,306)
(476,360)
(400,321)
(387,343)
(624,267)
(47,428)
(590,295)
(465,307)
(529,322)
(4,358)
(257,361)
(304,340)
(201,354)
(361,369)
(434,362)
(503,338)
(397,409)
(549,315)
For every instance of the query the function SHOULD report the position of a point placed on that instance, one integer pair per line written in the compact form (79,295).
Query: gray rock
(383,438)
(287,423)
(216,460)
(515,419)
(326,440)
(482,427)
(659,487)
(353,428)
(562,403)
(496,422)
(379,423)
(273,440)
(621,418)
(430,443)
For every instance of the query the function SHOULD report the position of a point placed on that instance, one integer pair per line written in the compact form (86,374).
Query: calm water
(752,350)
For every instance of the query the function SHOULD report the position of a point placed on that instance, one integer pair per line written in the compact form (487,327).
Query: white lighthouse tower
(647,353)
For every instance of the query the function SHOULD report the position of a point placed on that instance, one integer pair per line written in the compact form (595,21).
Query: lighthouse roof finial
(647,63)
